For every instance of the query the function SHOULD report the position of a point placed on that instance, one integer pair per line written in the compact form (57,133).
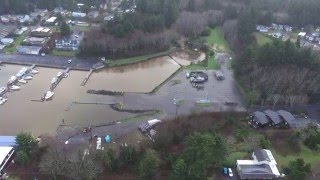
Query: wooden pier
(87,78)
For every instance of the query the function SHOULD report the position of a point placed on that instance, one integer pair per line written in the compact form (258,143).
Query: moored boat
(14,87)
(22,81)
(48,95)
(27,77)
(33,71)
(2,100)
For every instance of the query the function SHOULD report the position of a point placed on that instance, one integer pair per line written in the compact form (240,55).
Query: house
(259,119)
(4,19)
(67,44)
(287,28)
(273,117)
(302,34)
(277,35)
(51,20)
(277,27)
(7,41)
(41,32)
(108,18)
(35,41)
(78,14)
(262,29)
(6,154)
(261,166)
(30,50)
(93,14)
(20,31)
(80,23)
(23,18)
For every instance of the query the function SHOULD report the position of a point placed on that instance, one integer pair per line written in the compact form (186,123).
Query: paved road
(50,61)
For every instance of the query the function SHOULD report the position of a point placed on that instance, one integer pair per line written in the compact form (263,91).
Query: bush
(264,143)
(298,169)
(148,165)
(206,31)
(128,155)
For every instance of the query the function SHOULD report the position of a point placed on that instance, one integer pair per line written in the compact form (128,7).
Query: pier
(57,80)
(87,78)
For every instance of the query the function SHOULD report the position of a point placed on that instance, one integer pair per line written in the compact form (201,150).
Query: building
(287,117)
(7,41)
(6,154)
(8,141)
(23,18)
(273,117)
(35,41)
(67,44)
(259,119)
(261,166)
(51,20)
(41,32)
(30,50)
(93,14)
(108,18)
(78,14)
(262,29)
(302,34)
(287,28)
(20,31)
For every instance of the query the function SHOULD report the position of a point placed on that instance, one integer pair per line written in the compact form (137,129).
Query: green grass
(216,38)
(212,63)
(209,64)
(309,157)
(232,157)
(132,60)
(262,39)
(63,53)
(12,48)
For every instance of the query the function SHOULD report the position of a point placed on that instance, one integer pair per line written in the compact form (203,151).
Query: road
(50,61)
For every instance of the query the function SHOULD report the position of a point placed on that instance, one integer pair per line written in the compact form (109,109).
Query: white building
(6,153)
(78,14)
(261,166)
(51,20)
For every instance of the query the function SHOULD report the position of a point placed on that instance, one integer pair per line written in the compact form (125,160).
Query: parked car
(219,75)
(225,171)
(69,61)
(230,172)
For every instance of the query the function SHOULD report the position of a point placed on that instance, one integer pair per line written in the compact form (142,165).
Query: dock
(87,78)
(56,82)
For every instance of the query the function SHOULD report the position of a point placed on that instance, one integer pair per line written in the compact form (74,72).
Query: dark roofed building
(286,116)
(273,116)
(256,172)
(259,119)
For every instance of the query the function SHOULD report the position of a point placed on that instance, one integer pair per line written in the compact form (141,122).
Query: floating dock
(87,78)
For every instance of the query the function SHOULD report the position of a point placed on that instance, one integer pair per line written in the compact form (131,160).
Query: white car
(69,61)
(230,172)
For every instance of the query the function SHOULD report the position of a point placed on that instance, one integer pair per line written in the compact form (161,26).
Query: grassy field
(63,53)
(262,39)
(217,41)
(209,64)
(17,41)
(309,157)
(132,60)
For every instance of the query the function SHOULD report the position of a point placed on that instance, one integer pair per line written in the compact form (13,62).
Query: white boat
(48,95)
(66,75)
(3,100)
(14,87)
(33,71)
(27,77)
(2,89)
(59,74)
(22,81)
(12,79)
(54,80)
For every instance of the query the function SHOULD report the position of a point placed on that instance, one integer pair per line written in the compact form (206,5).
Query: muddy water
(140,77)
(20,113)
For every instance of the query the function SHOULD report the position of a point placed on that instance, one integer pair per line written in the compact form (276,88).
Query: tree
(108,159)
(65,29)
(265,143)
(128,155)
(203,151)
(179,170)
(250,98)
(21,157)
(148,165)
(298,169)
(26,143)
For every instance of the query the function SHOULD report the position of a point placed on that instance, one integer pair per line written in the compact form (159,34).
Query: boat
(2,89)
(59,74)
(14,87)
(33,71)
(27,77)
(48,95)
(12,79)
(22,81)
(3,100)
(54,80)
(66,75)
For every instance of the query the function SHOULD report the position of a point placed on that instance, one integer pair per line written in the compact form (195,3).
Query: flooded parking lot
(20,113)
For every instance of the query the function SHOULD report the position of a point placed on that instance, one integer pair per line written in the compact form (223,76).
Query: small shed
(287,116)
(260,118)
(273,116)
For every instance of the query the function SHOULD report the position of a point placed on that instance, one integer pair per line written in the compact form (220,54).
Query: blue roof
(8,140)
(107,138)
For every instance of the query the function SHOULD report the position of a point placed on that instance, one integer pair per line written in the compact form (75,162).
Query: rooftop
(287,116)
(7,141)
(260,117)
(274,116)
